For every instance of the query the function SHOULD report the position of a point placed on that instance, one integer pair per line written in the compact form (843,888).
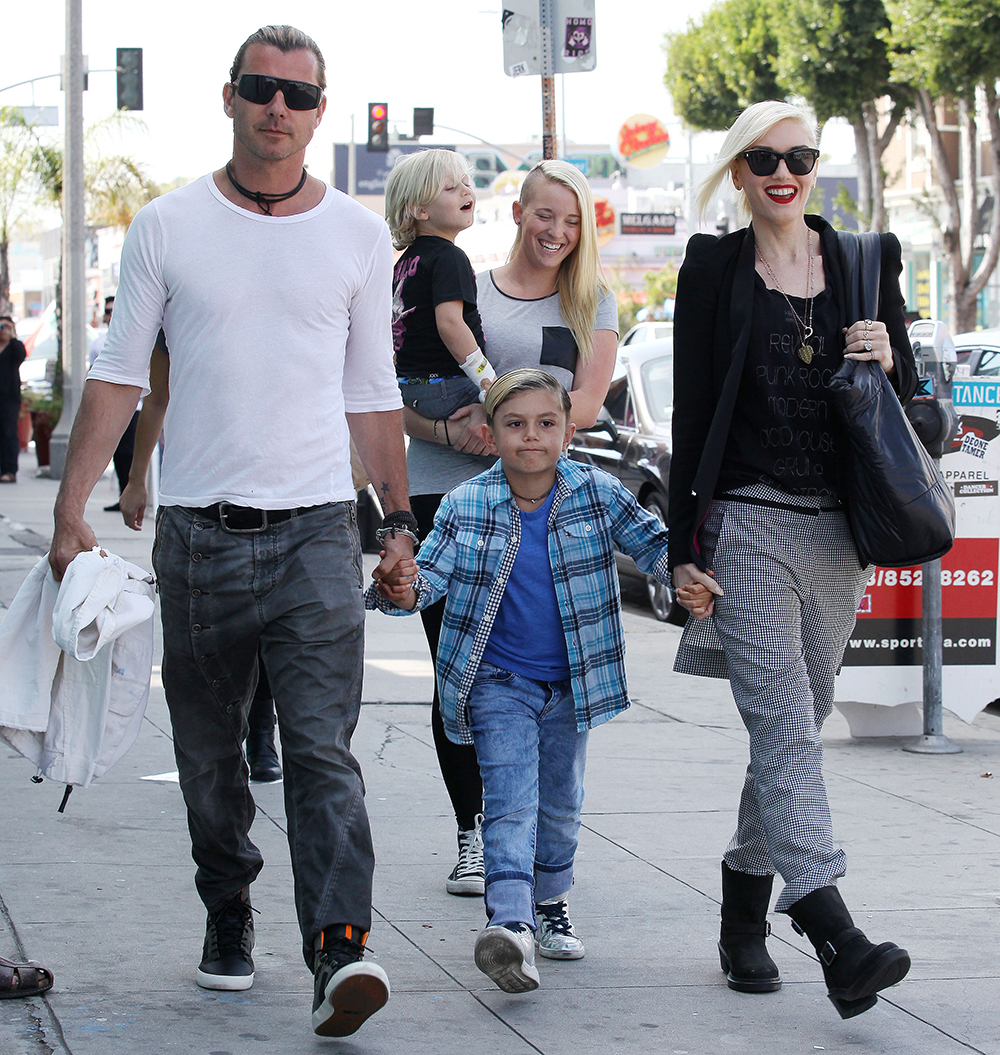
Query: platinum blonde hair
(415,181)
(526,379)
(581,282)
(754,123)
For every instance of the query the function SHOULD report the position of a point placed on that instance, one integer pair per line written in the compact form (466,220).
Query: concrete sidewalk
(104,893)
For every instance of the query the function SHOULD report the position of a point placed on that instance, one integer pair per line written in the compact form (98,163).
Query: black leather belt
(247,520)
(811,511)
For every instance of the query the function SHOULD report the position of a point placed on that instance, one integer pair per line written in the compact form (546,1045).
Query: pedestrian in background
(273,291)
(755,517)
(12,354)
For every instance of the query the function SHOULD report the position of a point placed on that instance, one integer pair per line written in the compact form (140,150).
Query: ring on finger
(868,345)
(868,325)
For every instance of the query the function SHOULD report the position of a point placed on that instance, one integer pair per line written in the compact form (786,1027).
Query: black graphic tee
(431,271)
(783,432)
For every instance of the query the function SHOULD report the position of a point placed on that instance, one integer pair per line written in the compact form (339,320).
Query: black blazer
(714,307)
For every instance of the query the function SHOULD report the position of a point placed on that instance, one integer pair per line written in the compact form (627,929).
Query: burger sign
(643,141)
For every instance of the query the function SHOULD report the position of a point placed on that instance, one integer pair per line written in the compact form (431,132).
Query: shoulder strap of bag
(862,260)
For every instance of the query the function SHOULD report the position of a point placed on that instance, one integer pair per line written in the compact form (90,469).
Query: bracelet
(447,438)
(391,532)
(401,519)
(436,422)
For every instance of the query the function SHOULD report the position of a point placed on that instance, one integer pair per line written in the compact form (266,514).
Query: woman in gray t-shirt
(548,306)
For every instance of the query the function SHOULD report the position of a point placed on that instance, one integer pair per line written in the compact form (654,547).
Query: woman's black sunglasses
(299,95)
(800,161)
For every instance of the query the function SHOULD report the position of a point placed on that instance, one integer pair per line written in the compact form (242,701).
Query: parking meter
(931,412)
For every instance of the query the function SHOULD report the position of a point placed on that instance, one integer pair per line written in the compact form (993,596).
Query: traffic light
(378,128)
(423,121)
(129,63)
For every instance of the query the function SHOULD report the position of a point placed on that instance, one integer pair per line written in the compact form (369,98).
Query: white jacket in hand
(76,658)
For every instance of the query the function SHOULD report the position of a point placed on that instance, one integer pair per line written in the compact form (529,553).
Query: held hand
(469,422)
(133,505)
(867,340)
(68,540)
(396,549)
(396,585)
(696,589)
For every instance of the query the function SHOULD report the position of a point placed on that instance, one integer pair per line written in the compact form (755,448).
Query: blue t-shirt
(527,636)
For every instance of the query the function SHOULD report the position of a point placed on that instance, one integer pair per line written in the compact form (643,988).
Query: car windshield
(658,386)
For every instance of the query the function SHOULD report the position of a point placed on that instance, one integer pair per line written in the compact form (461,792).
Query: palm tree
(19,186)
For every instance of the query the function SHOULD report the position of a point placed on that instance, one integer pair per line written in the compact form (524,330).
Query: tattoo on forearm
(384,489)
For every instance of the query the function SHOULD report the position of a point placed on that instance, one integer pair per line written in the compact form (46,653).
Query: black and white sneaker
(346,991)
(226,962)
(468,877)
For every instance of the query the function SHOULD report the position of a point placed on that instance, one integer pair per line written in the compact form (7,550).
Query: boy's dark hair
(284,38)
(524,380)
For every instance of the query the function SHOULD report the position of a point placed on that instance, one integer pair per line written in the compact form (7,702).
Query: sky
(447,54)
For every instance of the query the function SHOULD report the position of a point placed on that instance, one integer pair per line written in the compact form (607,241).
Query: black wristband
(400,518)
(447,438)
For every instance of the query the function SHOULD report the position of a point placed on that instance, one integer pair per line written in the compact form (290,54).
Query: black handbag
(901,511)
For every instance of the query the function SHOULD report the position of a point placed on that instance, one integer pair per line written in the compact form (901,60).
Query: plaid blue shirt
(468,556)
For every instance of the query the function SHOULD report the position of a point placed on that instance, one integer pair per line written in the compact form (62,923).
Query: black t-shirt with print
(783,432)
(431,271)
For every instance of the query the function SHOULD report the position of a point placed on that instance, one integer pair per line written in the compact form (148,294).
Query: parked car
(978,353)
(631,440)
(41,342)
(642,332)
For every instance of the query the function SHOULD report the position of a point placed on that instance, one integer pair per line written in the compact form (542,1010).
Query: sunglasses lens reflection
(765,162)
(299,95)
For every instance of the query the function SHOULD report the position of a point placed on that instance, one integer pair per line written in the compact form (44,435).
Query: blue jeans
(532,758)
(295,591)
(441,398)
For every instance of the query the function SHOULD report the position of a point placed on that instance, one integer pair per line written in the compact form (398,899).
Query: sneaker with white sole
(346,991)
(508,957)
(226,962)
(556,938)
(468,877)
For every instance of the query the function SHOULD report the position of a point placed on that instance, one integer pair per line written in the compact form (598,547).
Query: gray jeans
(294,589)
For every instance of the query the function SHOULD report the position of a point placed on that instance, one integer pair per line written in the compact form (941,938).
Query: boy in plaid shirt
(531,654)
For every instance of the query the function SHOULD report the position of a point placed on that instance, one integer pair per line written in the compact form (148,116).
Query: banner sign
(883,663)
(648,222)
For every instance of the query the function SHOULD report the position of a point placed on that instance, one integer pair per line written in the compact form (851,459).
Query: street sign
(545,37)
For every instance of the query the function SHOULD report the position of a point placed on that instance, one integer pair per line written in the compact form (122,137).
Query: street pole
(352,164)
(933,742)
(74,292)
(547,20)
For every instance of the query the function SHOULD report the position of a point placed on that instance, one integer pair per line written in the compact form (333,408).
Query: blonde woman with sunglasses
(755,516)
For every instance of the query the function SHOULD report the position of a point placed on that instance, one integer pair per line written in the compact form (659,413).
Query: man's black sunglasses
(299,95)
(800,161)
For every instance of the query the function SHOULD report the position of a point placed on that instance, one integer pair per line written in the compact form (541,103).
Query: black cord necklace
(525,498)
(264,201)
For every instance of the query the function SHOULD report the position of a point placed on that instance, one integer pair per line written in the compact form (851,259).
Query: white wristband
(477,368)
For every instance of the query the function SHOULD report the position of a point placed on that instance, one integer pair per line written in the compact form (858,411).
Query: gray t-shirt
(519,333)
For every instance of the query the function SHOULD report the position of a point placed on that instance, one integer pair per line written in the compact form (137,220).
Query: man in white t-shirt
(274,292)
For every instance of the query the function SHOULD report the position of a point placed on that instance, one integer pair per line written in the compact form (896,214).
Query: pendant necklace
(264,200)
(525,498)
(804,325)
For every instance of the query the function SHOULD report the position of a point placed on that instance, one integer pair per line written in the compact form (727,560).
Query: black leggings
(459,765)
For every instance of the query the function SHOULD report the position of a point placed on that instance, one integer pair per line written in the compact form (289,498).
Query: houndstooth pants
(792,584)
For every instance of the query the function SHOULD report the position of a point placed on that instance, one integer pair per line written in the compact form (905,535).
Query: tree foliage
(718,67)
(19,186)
(952,48)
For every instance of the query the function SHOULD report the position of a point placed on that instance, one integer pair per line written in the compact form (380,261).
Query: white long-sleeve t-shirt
(276,325)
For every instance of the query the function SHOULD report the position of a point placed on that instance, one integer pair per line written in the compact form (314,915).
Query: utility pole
(547,18)
(74,323)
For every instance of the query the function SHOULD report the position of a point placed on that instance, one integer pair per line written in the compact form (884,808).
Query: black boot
(855,970)
(742,951)
(262,757)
